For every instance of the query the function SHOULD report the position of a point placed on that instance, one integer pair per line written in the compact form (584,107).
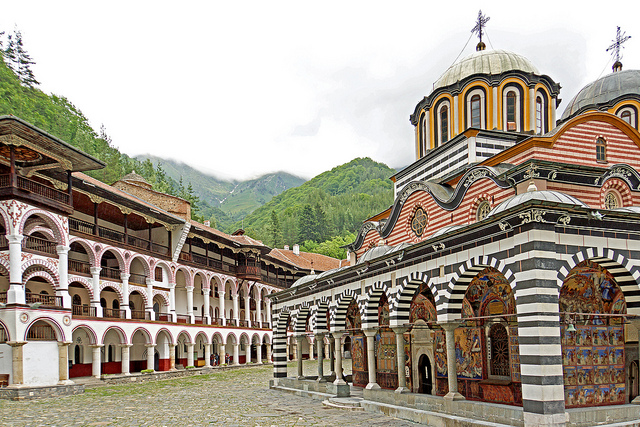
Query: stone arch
(165,331)
(400,303)
(233,336)
(6,331)
(188,276)
(143,260)
(143,293)
(119,332)
(620,186)
(301,318)
(39,267)
(122,265)
(232,286)
(86,284)
(36,228)
(319,315)
(280,320)
(204,283)
(113,286)
(457,286)
(4,267)
(204,337)
(60,231)
(339,313)
(163,296)
(370,302)
(59,331)
(217,336)
(5,219)
(166,268)
(145,333)
(89,249)
(266,338)
(90,333)
(623,271)
(39,273)
(187,334)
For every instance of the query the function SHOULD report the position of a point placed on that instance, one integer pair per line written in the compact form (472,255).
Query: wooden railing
(36,244)
(163,317)
(48,300)
(266,325)
(110,273)
(243,323)
(4,244)
(183,318)
(140,314)
(80,267)
(81,226)
(208,262)
(139,279)
(42,190)
(216,321)
(84,310)
(113,313)
(198,320)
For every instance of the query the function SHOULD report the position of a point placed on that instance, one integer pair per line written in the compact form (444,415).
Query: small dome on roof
(604,92)
(373,253)
(445,230)
(485,62)
(134,178)
(545,196)
(628,209)
(306,279)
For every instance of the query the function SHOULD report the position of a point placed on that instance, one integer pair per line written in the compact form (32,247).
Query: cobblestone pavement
(239,397)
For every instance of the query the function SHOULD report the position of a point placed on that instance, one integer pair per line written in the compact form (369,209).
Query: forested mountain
(227,201)
(328,208)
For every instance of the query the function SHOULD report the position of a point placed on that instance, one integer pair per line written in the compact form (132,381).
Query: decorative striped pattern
(400,304)
(319,316)
(301,318)
(370,302)
(339,313)
(280,320)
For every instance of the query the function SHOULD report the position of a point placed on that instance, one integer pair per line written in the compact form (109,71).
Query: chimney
(207,223)
(286,247)
(296,249)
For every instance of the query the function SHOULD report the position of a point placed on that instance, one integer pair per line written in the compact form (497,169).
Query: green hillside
(329,207)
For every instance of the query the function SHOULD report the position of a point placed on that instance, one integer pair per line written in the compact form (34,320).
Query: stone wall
(28,393)
(174,205)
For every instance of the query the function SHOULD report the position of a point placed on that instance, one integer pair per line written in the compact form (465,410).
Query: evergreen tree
(307,224)
(275,232)
(24,62)
(322,224)
(10,56)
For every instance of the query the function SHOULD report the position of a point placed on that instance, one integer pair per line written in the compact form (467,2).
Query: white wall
(6,364)
(41,363)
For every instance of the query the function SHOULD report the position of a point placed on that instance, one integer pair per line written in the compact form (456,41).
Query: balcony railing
(117,236)
(207,262)
(198,320)
(79,267)
(36,244)
(266,325)
(139,279)
(163,317)
(243,323)
(183,318)
(110,273)
(84,310)
(216,321)
(46,300)
(140,315)
(34,187)
(113,313)
(4,244)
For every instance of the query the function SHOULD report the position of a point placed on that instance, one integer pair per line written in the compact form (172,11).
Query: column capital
(149,281)
(125,345)
(399,330)
(96,345)
(319,336)
(150,345)
(337,335)
(62,249)
(206,291)
(95,270)
(449,326)
(64,343)
(125,276)
(14,238)
(16,343)
(188,344)
(372,332)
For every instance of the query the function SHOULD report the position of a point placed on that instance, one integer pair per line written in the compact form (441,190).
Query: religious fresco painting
(423,306)
(385,349)
(494,378)
(593,354)
(358,346)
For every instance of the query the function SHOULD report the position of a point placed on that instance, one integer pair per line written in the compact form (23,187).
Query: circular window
(611,200)
(483,210)
(419,222)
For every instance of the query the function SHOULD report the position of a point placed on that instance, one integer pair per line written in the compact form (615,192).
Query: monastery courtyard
(237,397)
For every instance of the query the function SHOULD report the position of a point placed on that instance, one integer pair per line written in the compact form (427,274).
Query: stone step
(346,403)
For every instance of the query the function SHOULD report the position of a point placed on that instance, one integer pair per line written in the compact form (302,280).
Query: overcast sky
(242,88)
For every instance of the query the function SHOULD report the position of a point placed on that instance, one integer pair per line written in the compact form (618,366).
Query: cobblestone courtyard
(239,397)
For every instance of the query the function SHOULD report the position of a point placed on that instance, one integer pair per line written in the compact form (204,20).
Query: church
(503,284)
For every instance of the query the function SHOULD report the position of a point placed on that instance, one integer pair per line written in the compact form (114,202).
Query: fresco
(386,359)
(593,354)
(423,306)
(359,360)
(354,321)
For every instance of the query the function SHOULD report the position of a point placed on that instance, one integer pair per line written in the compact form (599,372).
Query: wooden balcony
(250,272)
(79,267)
(44,300)
(40,246)
(113,313)
(33,191)
(140,315)
(110,273)
(84,310)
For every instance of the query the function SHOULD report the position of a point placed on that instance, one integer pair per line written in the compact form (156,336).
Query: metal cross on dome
(616,47)
(480,24)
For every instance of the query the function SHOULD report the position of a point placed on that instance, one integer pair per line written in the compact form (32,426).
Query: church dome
(485,62)
(135,178)
(539,197)
(604,92)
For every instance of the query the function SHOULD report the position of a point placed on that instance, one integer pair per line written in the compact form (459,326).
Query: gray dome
(306,279)
(628,209)
(445,230)
(604,91)
(373,253)
(485,62)
(545,196)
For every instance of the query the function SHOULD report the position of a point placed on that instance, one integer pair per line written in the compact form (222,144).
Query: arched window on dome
(601,150)
(443,134)
(475,109)
(629,115)
(422,134)
(541,117)
(511,115)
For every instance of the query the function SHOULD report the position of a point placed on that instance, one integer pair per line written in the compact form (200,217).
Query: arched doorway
(426,379)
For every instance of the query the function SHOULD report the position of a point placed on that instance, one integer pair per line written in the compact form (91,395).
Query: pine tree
(307,224)
(24,62)
(322,224)
(10,57)
(275,232)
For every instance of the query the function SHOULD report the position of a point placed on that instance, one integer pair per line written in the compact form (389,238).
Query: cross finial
(480,24)
(616,47)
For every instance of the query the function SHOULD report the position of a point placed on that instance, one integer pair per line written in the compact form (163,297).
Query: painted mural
(423,306)
(386,359)
(592,355)
(359,371)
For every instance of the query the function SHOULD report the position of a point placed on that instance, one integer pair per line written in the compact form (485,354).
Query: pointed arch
(144,332)
(185,333)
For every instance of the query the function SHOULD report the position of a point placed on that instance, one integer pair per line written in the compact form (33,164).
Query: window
(499,351)
(422,134)
(611,200)
(538,114)
(444,124)
(77,300)
(158,274)
(476,113)
(511,111)
(601,150)
(628,114)
(419,222)
(483,210)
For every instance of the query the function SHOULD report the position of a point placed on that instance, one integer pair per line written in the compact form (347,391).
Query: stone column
(236,310)
(311,348)
(259,312)
(295,346)
(190,304)
(452,368)
(190,346)
(63,271)
(16,293)
(149,307)
(172,357)
(299,339)
(63,362)
(332,355)
(371,359)
(95,281)
(222,352)
(125,294)
(17,365)
(207,355)
(269,313)
(96,360)
(247,353)
(236,354)
(126,359)
(338,356)
(320,346)
(269,352)
(172,302)
(402,379)
(247,310)
(221,308)
(207,308)
(151,356)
